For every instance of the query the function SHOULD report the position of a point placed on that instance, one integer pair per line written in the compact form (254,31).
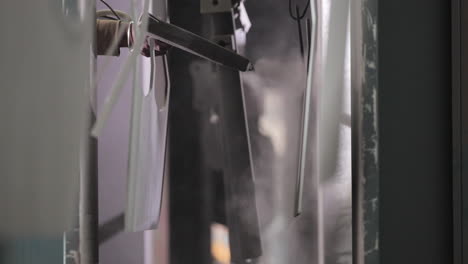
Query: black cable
(303,12)
(108,17)
(111,9)
(299,29)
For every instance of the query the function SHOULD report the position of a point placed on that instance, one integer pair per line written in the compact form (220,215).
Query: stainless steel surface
(196,45)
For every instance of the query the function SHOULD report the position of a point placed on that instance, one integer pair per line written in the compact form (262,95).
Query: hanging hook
(298,17)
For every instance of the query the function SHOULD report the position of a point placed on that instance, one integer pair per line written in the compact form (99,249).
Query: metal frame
(459,129)
(88,215)
(365,165)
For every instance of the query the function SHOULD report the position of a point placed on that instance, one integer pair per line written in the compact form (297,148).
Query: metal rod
(305,126)
(88,210)
(309,36)
(299,29)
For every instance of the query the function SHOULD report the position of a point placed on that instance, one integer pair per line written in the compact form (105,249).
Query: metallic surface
(211,165)
(44,103)
(459,14)
(307,109)
(194,44)
(88,205)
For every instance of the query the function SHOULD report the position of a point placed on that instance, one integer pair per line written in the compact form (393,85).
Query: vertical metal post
(88,220)
(88,201)
(365,165)
(189,225)
(457,133)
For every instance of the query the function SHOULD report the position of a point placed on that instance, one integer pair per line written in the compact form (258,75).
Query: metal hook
(298,17)
(167,79)
(161,93)
(153,65)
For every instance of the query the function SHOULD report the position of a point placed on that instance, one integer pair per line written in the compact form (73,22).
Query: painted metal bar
(194,44)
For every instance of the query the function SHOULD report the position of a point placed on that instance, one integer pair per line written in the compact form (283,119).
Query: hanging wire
(297,16)
(111,9)
(109,17)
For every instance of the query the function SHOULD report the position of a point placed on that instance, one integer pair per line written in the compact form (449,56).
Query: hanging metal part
(111,228)
(299,29)
(153,66)
(309,36)
(298,17)
(168,84)
(312,37)
(196,45)
(88,206)
(161,92)
(225,41)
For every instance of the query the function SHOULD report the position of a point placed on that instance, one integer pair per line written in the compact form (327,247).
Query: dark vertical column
(415,132)
(88,211)
(365,136)
(456,133)
(241,209)
(460,100)
(189,224)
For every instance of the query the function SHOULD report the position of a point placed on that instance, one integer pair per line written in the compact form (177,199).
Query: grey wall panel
(45,77)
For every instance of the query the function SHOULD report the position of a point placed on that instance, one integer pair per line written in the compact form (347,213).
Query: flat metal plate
(194,44)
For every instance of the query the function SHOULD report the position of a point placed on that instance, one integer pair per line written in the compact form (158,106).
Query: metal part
(217,168)
(312,29)
(365,21)
(196,45)
(71,247)
(309,40)
(111,228)
(153,66)
(225,41)
(299,30)
(215,6)
(298,18)
(88,213)
(241,209)
(161,93)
